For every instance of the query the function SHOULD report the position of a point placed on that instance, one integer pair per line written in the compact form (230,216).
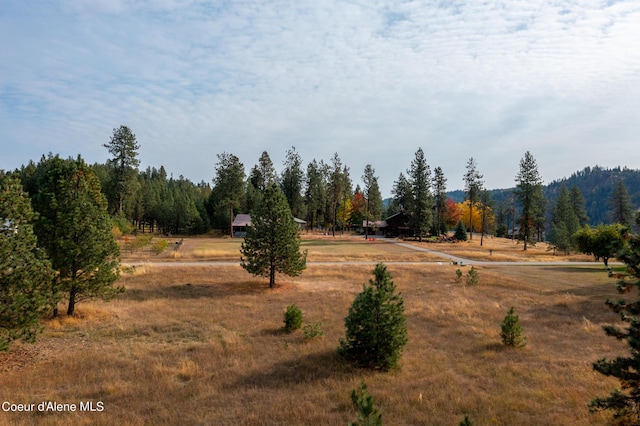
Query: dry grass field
(203,345)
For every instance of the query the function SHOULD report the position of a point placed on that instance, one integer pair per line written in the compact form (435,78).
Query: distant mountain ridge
(596,184)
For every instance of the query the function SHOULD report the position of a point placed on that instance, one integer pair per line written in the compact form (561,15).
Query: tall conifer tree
(421,213)
(472,186)
(529,192)
(25,274)
(272,243)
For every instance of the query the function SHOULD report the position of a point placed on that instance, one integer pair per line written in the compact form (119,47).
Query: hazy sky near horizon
(371,80)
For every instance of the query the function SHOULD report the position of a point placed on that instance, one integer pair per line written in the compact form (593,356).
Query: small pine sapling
(311,331)
(292,318)
(368,414)
(511,333)
(466,421)
(472,276)
(458,275)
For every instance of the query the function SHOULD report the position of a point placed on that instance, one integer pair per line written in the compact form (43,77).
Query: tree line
(323,194)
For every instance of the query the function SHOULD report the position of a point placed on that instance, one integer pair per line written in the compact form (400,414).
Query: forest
(323,194)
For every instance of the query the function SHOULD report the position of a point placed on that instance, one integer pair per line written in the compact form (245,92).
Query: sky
(371,80)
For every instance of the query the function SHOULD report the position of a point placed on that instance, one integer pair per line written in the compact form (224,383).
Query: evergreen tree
(124,148)
(25,275)
(316,193)
(621,210)
(486,212)
(625,403)
(263,174)
(440,197)
(511,331)
(376,327)
(291,182)
(272,243)
(368,413)
(529,191)
(472,186)
(74,227)
(338,189)
(461,233)
(564,222)
(402,196)
(579,206)
(228,185)
(421,213)
(372,197)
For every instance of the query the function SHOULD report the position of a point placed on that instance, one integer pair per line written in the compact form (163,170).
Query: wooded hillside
(596,184)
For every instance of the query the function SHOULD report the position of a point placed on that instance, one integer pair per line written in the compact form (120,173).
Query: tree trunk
(272,275)
(53,292)
(72,301)
(470,220)
(230,220)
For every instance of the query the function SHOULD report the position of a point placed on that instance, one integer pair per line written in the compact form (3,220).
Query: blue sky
(371,80)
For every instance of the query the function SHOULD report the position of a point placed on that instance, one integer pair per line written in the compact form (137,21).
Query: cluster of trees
(57,243)
(323,194)
(625,401)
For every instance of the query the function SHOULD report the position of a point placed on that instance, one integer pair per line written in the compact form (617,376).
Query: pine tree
(25,275)
(564,222)
(511,331)
(402,197)
(372,197)
(291,182)
(376,327)
(74,227)
(368,413)
(440,198)
(472,186)
(272,243)
(487,218)
(228,185)
(625,403)
(316,193)
(579,206)
(421,213)
(461,233)
(529,191)
(621,210)
(124,148)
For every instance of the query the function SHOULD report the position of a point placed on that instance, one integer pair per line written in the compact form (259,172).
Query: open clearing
(203,344)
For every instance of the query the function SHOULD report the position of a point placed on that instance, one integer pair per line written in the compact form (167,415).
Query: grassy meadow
(203,344)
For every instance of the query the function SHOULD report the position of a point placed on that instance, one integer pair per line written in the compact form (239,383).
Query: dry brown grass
(203,345)
(501,249)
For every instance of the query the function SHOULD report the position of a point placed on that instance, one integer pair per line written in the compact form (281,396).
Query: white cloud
(372,81)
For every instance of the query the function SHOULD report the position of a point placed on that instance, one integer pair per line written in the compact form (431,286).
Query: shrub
(458,275)
(368,414)
(292,318)
(472,276)
(159,246)
(376,327)
(123,224)
(511,333)
(466,421)
(311,331)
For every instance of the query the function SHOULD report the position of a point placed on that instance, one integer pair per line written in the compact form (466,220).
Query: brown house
(397,225)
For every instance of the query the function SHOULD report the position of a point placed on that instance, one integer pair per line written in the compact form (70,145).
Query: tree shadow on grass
(307,369)
(195,291)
